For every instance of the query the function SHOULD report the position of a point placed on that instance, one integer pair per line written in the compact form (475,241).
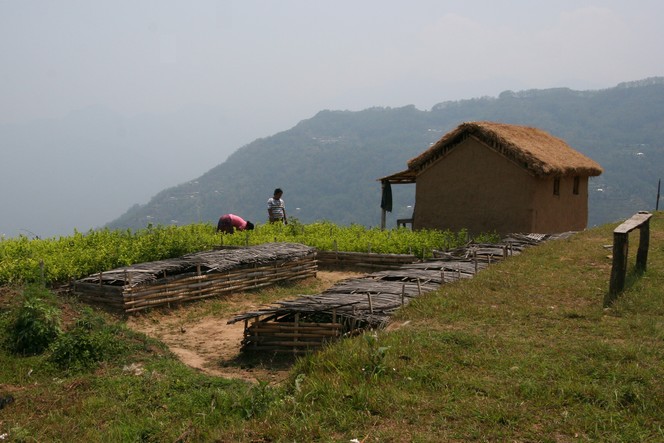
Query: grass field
(523,352)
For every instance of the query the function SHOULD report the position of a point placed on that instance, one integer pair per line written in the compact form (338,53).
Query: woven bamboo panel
(361,260)
(369,301)
(197,276)
(294,337)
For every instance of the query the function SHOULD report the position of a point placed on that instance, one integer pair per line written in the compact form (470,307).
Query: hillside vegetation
(522,352)
(57,261)
(328,165)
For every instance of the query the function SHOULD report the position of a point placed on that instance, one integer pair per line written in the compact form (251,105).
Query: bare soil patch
(206,342)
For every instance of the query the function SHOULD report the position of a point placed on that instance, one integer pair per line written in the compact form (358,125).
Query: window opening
(577,180)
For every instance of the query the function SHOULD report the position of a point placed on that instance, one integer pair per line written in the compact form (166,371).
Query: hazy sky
(265,65)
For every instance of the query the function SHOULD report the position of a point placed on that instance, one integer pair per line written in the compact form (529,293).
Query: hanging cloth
(386,199)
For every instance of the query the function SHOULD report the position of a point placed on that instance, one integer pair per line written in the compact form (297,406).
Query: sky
(241,70)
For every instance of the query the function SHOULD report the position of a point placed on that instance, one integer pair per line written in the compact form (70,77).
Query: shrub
(90,341)
(34,324)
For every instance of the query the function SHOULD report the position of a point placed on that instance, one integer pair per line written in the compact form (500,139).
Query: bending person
(229,222)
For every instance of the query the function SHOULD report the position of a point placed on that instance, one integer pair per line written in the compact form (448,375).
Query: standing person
(229,222)
(276,208)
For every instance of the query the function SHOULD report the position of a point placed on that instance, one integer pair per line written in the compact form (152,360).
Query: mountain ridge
(328,165)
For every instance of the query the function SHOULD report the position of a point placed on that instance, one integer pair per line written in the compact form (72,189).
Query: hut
(496,177)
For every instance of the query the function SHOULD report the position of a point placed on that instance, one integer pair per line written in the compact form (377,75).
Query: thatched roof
(539,152)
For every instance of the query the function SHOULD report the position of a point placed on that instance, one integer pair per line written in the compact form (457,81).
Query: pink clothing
(229,221)
(238,222)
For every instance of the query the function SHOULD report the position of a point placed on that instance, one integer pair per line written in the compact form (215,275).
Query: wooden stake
(297,321)
(256,332)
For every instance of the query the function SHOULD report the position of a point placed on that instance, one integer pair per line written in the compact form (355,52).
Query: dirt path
(206,342)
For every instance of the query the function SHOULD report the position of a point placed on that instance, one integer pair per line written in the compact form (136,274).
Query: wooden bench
(641,220)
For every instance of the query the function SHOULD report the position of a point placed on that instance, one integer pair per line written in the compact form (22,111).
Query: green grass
(522,352)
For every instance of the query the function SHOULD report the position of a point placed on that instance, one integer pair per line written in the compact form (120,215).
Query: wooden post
(475,259)
(297,332)
(419,287)
(442,276)
(644,243)
(256,332)
(619,268)
(641,221)
(403,294)
(198,282)
(383,211)
(370,304)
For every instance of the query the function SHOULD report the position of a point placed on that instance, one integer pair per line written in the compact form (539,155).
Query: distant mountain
(328,165)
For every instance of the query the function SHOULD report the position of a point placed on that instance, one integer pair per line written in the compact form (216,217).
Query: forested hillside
(328,165)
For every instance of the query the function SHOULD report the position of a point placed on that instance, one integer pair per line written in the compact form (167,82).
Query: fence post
(644,243)
(641,220)
(619,268)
